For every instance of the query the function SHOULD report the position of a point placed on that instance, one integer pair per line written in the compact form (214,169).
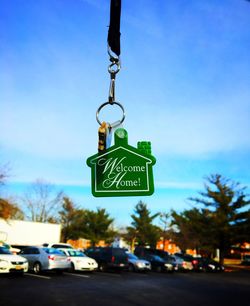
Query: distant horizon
(117,207)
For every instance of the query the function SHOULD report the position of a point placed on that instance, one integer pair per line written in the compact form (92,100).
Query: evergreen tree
(142,229)
(223,219)
(192,230)
(97,226)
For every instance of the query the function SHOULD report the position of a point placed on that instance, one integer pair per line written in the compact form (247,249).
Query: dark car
(246,259)
(109,257)
(165,256)
(169,260)
(157,263)
(210,265)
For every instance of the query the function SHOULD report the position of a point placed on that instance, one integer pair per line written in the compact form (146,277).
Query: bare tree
(8,206)
(4,173)
(42,202)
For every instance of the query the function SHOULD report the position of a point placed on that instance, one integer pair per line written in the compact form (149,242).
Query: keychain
(122,170)
(119,169)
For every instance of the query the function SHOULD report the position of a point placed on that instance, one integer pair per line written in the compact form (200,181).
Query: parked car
(109,257)
(79,261)
(58,245)
(160,260)
(183,263)
(165,256)
(197,263)
(12,263)
(204,264)
(45,259)
(157,263)
(246,259)
(11,248)
(141,251)
(137,264)
(210,265)
(195,260)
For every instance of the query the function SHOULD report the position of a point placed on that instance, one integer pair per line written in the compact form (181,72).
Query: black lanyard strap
(114,27)
(114,46)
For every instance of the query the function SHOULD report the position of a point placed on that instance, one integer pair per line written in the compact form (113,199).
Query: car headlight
(212,266)
(167,265)
(3,264)
(140,264)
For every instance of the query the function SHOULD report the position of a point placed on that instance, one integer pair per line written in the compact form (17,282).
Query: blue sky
(184,84)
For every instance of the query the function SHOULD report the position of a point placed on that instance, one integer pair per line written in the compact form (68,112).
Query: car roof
(38,247)
(57,243)
(69,249)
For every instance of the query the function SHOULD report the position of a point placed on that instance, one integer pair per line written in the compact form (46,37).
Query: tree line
(218,218)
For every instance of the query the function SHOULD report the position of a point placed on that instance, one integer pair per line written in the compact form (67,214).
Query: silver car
(136,264)
(45,259)
(183,263)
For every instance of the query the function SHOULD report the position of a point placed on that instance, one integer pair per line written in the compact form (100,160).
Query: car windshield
(163,255)
(187,258)
(75,253)
(118,252)
(53,251)
(132,256)
(158,258)
(5,251)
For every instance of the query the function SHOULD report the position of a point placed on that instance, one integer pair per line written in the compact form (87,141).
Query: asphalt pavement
(127,288)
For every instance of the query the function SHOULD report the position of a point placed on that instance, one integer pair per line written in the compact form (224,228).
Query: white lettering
(115,172)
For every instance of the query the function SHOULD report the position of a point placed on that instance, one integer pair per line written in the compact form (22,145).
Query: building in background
(20,233)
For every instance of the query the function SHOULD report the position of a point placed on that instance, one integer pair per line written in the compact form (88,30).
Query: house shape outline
(121,145)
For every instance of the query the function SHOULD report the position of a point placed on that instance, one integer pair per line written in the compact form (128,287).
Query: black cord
(114,27)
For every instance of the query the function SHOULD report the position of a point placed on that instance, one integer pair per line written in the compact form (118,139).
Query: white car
(12,263)
(59,245)
(79,261)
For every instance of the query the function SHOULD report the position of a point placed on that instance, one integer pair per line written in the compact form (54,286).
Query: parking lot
(126,288)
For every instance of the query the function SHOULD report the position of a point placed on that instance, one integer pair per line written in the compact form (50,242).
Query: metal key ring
(116,123)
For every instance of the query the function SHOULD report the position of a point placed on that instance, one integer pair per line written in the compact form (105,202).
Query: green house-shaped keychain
(122,170)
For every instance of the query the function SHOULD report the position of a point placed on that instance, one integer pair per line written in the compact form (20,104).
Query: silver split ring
(116,123)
